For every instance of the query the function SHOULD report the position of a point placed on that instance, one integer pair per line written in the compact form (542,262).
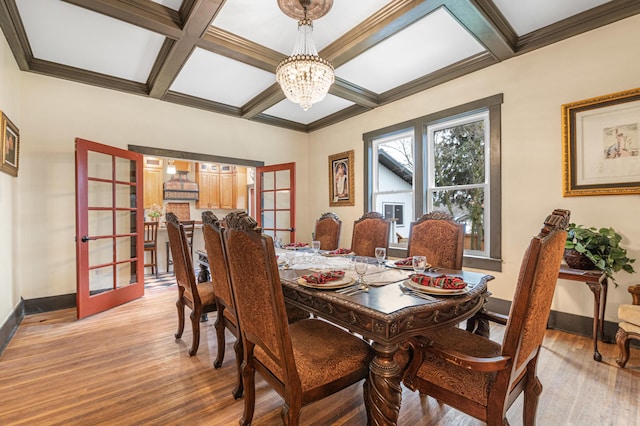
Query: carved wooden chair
(226,318)
(197,296)
(151,246)
(305,361)
(483,378)
(328,231)
(369,232)
(189,229)
(629,325)
(438,237)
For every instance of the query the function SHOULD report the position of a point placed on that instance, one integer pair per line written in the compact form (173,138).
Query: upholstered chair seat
(323,354)
(629,325)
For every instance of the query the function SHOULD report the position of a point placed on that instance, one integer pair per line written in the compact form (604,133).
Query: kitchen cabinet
(208,180)
(221,186)
(152,176)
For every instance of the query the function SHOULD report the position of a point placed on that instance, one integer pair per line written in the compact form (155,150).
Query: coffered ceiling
(221,55)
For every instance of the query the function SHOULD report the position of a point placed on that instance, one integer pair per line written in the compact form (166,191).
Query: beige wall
(534,86)
(40,255)
(10,104)
(59,111)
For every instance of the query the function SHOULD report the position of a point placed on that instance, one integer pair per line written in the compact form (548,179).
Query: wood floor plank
(124,367)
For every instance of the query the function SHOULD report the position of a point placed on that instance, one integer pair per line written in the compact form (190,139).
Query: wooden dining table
(387,317)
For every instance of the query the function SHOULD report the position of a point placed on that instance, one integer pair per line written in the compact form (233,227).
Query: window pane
(459,154)
(395,165)
(465,206)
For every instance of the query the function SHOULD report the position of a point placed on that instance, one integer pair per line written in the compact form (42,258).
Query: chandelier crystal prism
(304,76)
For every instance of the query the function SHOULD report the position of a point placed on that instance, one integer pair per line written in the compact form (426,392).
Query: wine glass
(315,245)
(289,256)
(381,253)
(419,264)
(361,266)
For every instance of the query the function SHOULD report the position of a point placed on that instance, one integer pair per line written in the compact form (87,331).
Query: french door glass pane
(125,274)
(282,179)
(100,280)
(267,181)
(99,165)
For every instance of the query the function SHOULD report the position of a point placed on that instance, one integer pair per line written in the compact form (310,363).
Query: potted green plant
(591,248)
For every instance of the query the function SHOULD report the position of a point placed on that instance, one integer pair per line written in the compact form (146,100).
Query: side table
(597,282)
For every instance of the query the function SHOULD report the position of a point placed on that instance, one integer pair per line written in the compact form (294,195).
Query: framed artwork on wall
(341,179)
(10,146)
(601,145)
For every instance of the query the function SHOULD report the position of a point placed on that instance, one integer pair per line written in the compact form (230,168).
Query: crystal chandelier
(304,76)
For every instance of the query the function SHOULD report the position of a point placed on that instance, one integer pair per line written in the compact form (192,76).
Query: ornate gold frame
(345,198)
(10,155)
(572,162)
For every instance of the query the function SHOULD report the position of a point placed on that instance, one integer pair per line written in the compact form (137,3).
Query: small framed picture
(341,179)
(601,145)
(10,147)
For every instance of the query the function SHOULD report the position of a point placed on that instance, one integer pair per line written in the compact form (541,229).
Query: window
(447,161)
(393,184)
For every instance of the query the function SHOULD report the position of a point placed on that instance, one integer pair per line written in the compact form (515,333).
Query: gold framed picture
(601,145)
(10,147)
(341,179)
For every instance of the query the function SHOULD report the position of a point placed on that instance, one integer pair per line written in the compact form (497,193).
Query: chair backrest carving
(534,293)
(218,265)
(258,293)
(369,232)
(181,254)
(440,238)
(327,231)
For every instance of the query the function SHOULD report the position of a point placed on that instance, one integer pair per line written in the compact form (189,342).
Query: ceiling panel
(411,53)
(171,4)
(293,112)
(220,79)
(526,16)
(264,23)
(384,50)
(69,35)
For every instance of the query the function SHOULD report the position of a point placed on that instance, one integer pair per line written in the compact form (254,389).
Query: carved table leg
(382,391)
(595,287)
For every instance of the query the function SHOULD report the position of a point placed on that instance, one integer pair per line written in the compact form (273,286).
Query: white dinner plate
(434,290)
(392,264)
(331,285)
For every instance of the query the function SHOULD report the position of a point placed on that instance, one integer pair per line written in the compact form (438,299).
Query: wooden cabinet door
(152,186)
(227,191)
(208,185)
(214,191)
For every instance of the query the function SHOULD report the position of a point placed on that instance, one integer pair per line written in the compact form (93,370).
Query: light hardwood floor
(124,367)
